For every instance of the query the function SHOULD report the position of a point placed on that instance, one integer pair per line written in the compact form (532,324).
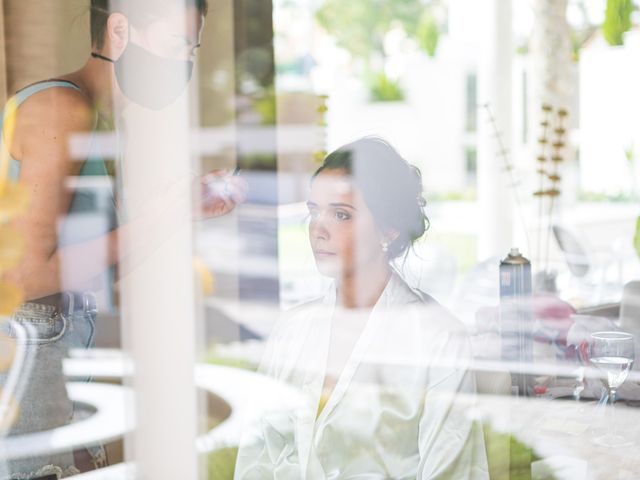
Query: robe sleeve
(451,443)
(268,444)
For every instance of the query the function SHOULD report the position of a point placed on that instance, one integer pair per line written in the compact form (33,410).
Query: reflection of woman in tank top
(69,256)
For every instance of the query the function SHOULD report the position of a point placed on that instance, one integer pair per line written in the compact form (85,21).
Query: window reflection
(184,264)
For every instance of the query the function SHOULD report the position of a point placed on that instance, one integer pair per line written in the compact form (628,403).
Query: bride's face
(342,230)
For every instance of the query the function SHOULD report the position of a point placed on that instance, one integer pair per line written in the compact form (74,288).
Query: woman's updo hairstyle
(135,10)
(390,186)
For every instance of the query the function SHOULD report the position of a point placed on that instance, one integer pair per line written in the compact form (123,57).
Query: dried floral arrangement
(504,154)
(552,148)
(552,144)
(322,110)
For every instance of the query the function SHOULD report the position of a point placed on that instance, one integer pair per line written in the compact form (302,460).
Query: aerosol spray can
(516,318)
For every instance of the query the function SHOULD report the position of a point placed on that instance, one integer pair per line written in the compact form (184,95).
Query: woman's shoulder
(400,293)
(414,303)
(56,100)
(306,305)
(298,316)
(303,310)
(69,107)
(326,298)
(47,117)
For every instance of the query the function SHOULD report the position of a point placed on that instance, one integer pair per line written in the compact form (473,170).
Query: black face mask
(149,80)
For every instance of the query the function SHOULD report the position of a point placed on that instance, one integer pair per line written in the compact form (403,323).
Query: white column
(157,291)
(157,296)
(494,88)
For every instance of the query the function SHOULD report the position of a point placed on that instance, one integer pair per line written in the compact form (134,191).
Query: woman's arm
(44,125)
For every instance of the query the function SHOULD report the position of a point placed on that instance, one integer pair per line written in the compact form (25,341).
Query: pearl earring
(385,247)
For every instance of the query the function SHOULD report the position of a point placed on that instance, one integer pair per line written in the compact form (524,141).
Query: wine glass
(578,386)
(613,354)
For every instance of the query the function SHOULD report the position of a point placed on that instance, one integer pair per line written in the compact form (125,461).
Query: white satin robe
(400,408)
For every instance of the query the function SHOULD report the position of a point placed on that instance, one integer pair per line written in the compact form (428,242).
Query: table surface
(562,431)
(108,423)
(114,407)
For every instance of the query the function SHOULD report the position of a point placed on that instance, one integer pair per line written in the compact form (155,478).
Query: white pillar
(157,289)
(494,88)
(157,296)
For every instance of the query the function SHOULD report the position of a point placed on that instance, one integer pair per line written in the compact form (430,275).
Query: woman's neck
(363,289)
(95,79)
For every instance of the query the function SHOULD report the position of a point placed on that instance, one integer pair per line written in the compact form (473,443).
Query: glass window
(318,239)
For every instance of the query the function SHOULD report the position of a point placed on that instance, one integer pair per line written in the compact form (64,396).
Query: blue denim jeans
(44,333)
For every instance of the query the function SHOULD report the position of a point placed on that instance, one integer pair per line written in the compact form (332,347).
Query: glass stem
(612,418)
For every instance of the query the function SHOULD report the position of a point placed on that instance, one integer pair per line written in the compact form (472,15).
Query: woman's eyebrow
(344,205)
(333,205)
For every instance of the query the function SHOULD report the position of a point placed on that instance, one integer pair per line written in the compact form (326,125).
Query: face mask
(147,79)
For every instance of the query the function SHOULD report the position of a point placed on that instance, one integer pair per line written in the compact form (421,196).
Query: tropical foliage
(361,27)
(617,20)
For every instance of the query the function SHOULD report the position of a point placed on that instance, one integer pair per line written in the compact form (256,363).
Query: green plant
(636,237)
(265,105)
(428,33)
(630,155)
(617,20)
(465,195)
(214,358)
(384,89)
(221,463)
(360,27)
(588,196)
(264,162)
(520,457)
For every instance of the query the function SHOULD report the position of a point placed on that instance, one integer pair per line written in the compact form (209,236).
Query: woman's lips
(323,254)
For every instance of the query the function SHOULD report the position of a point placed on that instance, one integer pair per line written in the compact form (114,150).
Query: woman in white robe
(382,370)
